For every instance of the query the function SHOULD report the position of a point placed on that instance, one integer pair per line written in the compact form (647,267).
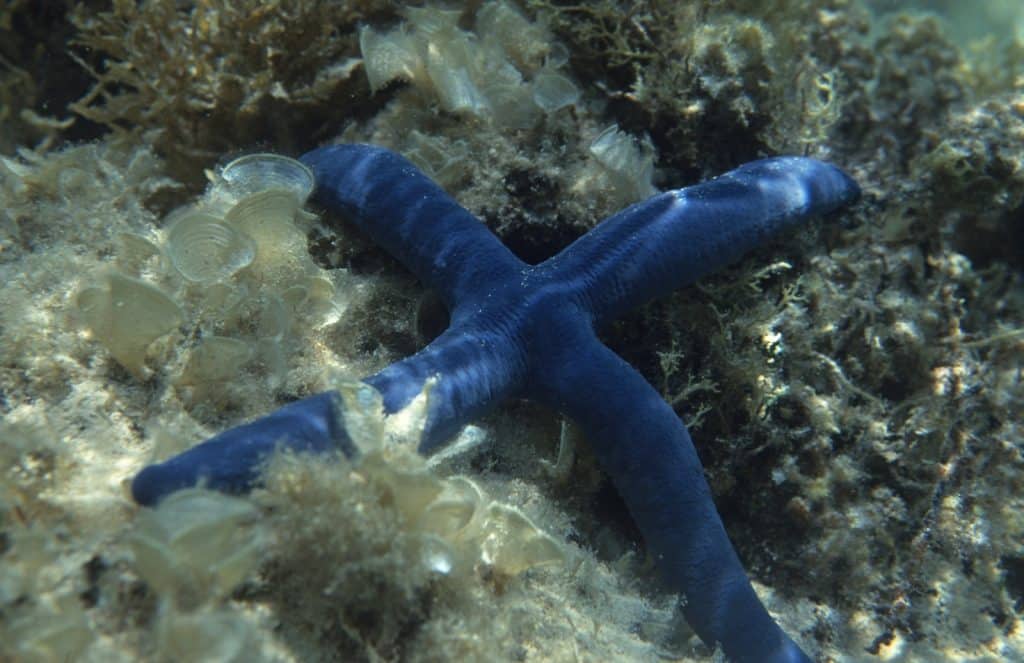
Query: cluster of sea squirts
(231,271)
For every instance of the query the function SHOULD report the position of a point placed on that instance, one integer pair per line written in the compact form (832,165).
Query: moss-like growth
(716,83)
(38,79)
(975,169)
(395,547)
(220,76)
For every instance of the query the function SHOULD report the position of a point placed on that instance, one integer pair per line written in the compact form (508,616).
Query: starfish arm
(672,239)
(231,461)
(649,456)
(387,197)
(476,368)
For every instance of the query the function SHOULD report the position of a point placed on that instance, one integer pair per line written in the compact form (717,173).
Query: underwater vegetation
(854,390)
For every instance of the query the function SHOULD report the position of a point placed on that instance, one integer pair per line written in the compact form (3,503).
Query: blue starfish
(528,330)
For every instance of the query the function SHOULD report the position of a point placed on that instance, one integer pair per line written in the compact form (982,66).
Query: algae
(854,389)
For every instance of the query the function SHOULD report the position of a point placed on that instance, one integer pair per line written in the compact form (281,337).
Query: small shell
(197,543)
(127,315)
(205,250)
(391,55)
(264,214)
(451,513)
(261,172)
(511,543)
(134,251)
(552,91)
(629,160)
(216,359)
(268,217)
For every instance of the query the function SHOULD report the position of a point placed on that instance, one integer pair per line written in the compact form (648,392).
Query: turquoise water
(966,21)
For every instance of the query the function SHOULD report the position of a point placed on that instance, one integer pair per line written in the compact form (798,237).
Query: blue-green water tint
(966,22)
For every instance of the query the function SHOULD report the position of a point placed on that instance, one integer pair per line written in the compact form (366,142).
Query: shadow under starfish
(528,331)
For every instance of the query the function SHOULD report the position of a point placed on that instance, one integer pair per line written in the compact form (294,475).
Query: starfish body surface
(529,331)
